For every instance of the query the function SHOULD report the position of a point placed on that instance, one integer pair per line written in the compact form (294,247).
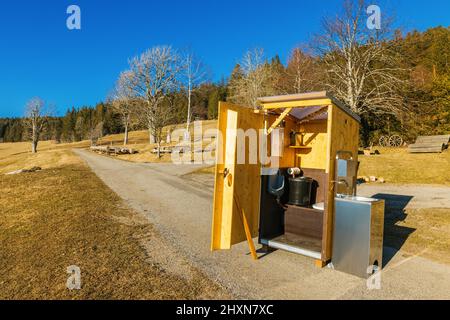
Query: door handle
(225,172)
(227,176)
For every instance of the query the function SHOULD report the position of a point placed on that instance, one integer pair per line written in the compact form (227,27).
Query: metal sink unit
(358,235)
(358,224)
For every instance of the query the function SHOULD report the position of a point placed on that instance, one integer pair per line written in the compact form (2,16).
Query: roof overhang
(303,100)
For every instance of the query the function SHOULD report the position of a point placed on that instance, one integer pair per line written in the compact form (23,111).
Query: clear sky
(39,56)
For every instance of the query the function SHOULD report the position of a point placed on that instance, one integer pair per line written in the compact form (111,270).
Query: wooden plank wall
(288,157)
(216,233)
(344,136)
(243,182)
(317,138)
(247,182)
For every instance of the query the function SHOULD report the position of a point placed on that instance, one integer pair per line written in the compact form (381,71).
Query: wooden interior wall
(315,137)
(247,181)
(304,222)
(288,158)
(344,136)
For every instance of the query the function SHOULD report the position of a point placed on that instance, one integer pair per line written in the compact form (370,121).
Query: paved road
(179,205)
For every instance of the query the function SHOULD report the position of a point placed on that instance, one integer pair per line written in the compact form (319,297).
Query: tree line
(396,83)
(93,122)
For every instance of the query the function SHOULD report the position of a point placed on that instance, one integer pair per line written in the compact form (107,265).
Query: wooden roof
(308,99)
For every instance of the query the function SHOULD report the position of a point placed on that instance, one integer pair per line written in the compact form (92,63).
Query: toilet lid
(319,206)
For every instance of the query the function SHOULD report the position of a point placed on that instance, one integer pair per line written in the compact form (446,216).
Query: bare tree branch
(361,67)
(193,75)
(255,82)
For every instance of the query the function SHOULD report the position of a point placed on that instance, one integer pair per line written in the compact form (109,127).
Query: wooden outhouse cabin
(301,131)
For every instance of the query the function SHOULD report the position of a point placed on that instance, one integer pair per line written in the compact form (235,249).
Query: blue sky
(39,56)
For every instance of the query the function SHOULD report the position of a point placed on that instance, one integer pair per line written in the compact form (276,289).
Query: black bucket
(300,191)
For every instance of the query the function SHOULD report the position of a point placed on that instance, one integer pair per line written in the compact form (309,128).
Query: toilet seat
(319,206)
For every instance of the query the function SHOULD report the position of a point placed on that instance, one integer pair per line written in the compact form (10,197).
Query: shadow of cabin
(395,236)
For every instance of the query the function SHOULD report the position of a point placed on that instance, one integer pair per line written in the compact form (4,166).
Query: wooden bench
(430,144)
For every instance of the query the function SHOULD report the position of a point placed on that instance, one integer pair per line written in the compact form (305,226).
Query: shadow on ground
(395,236)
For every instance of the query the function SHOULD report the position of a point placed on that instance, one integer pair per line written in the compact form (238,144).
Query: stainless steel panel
(346,172)
(358,223)
(351,240)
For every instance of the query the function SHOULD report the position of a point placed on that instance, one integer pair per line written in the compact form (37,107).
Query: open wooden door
(237,185)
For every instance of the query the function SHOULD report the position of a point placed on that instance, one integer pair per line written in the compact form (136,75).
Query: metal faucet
(342,181)
(346,170)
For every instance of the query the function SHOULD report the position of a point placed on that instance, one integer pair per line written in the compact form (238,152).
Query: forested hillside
(96,121)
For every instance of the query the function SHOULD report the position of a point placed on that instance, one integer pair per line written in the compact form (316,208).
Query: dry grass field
(399,166)
(15,156)
(64,215)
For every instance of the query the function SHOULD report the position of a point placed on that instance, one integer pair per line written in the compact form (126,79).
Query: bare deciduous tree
(194,75)
(255,81)
(122,101)
(301,72)
(36,118)
(152,76)
(96,133)
(360,66)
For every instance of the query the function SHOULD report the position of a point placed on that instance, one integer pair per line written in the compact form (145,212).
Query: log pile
(33,169)
(110,150)
(182,149)
(167,150)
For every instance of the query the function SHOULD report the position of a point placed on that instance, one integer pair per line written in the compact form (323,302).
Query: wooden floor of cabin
(303,242)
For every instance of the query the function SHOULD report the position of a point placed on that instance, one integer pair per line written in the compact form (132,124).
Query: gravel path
(410,196)
(179,204)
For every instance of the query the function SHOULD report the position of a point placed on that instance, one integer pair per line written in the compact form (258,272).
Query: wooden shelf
(300,147)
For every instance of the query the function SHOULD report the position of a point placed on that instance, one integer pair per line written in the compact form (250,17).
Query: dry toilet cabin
(290,202)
